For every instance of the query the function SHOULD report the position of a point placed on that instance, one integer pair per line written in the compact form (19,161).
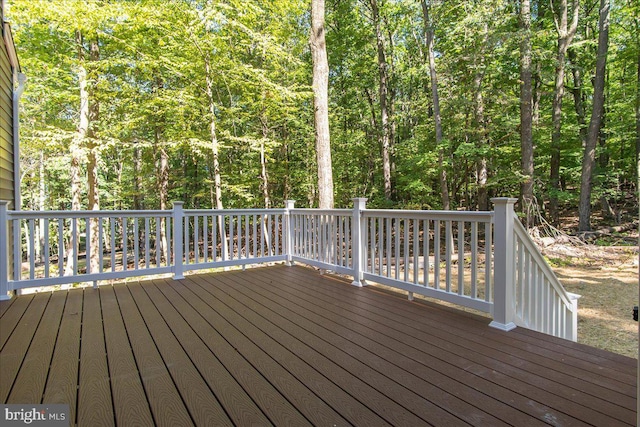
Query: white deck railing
(555,313)
(481,260)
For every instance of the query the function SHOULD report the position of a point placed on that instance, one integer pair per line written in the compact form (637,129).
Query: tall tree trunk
(442,173)
(482,139)
(578,100)
(162,171)
(137,178)
(638,121)
(76,150)
(163,192)
(264,176)
(321,104)
(526,112)
(383,77)
(42,199)
(537,94)
(588,160)
(566,32)
(93,194)
(215,155)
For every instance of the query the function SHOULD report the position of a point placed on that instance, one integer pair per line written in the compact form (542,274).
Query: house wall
(7,179)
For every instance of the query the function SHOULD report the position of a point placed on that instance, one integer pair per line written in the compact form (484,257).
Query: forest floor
(607,279)
(605,273)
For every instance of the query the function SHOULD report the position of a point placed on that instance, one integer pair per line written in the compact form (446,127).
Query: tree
(526,116)
(566,31)
(383,87)
(597,111)
(321,104)
(442,173)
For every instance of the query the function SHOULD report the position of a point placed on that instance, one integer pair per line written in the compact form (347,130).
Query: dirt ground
(607,279)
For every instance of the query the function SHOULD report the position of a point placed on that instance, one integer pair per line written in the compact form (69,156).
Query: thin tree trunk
(384,99)
(578,100)
(526,112)
(481,163)
(163,187)
(264,176)
(442,173)
(638,121)
(480,124)
(162,177)
(537,94)
(565,36)
(215,155)
(321,104)
(137,178)
(588,159)
(42,199)
(76,151)
(603,160)
(93,194)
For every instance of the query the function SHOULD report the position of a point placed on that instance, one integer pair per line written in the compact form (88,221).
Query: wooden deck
(287,346)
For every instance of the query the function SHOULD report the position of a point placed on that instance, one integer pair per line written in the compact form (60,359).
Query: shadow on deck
(287,346)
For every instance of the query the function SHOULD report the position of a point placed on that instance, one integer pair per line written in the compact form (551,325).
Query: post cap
(503,200)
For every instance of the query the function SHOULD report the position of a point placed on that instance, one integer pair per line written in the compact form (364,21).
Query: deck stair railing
(482,260)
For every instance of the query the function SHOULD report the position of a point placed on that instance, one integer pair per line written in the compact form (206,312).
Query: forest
(432,104)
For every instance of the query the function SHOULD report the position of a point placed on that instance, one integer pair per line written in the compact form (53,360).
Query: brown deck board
(95,406)
(5,304)
(316,410)
(348,406)
(14,310)
(241,409)
(30,382)
(603,357)
(511,345)
(435,369)
(343,370)
(203,406)
(287,346)
(550,392)
(495,361)
(166,403)
(129,400)
(15,349)
(341,330)
(62,384)
(279,410)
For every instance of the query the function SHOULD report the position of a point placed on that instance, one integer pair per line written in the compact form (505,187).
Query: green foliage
(152,89)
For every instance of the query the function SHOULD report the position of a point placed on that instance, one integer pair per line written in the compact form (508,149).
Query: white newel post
(178,240)
(359,204)
(289,205)
(504,260)
(572,325)
(4,251)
